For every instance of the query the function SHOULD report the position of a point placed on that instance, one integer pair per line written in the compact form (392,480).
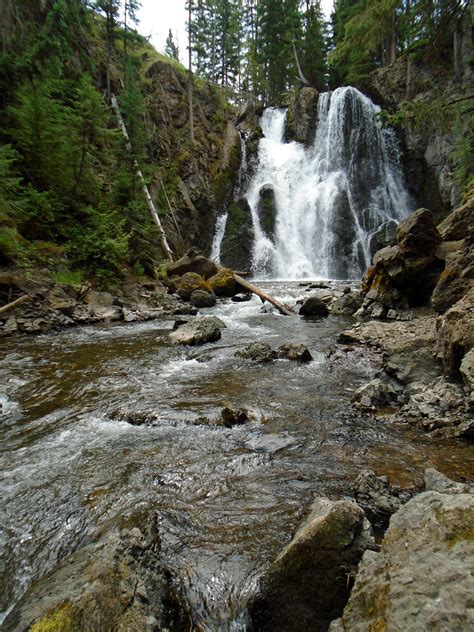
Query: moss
(57,620)
(223,283)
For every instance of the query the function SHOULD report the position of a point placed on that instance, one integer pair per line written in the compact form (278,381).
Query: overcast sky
(158,16)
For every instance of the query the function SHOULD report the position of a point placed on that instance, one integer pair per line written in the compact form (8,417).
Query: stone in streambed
(232,417)
(314,306)
(223,283)
(189,282)
(295,352)
(198,331)
(258,352)
(201,298)
(242,298)
(308,584)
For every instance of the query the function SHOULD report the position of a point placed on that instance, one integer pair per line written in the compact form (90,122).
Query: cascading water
(331,199)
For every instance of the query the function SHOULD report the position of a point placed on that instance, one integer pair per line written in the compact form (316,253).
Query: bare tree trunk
(286,311)
(146,193)
(14,303)
(190,80)
(301,76)
(7,22)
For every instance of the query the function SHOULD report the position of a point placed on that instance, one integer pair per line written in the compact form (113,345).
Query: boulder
(197,264)
(314,306)
(198,331)
(189,282)
(308,584)
(98,299)
(422,578)
(417,234)
(295,352)
(201,298)
(347,304)
(115,584)
(459,223)
(437,482)
(386,235)
(258,352)
(223,283)
(455,335)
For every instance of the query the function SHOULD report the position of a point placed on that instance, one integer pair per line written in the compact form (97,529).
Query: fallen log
(14,303)
(283,309)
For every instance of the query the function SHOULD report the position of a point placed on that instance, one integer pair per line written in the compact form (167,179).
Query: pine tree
(171,49)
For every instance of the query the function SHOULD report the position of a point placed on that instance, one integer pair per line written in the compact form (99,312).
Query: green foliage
(69,277)
(464,149)
(171,49)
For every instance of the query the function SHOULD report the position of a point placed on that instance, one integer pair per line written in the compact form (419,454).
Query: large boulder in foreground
(418,234)
(308,584)
(198,331)
(423,578)
(115,584)
(198,264)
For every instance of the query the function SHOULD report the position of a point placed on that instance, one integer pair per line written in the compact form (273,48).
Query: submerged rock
(314,306)
(308,584)
(198,331)
(422,578)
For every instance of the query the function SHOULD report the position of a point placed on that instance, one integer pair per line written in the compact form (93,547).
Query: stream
(228,499)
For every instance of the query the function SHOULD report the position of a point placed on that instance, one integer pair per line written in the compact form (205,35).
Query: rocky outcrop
(198,331)
(308,584)
(115,584)
(422,577)
(267,211)
(455,329)
(236,245)
(301,118)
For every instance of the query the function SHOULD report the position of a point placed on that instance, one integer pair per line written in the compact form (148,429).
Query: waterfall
(218,237)
(329,200)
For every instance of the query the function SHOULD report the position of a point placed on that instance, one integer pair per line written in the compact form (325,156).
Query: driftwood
(14,303)
(286,311)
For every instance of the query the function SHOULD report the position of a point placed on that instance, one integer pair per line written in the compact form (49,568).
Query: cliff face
(430,143)
(198,178)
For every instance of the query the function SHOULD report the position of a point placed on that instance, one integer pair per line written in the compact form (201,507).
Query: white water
(331,198)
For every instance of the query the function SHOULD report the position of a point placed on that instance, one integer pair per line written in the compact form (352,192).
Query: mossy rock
(236,246)
(223,283)
(190,282)
(57,620)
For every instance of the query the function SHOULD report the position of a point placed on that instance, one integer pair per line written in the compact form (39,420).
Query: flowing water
(331,199)
(228,499)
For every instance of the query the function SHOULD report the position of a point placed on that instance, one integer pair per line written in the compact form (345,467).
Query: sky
(158,16)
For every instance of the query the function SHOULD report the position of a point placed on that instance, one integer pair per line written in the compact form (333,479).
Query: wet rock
(386,235)
(458,223)
(242,298)
(295,352)
(115,584)
(302,117)
(267,210)
(467,372)
(376,497)
(455,335)
(189,282)
(201,298)
(314,306)
(422,578)
(232,417)
(198,331)
(236,245)
(347,304)
(223,283)
(378,393)
(308,584)
(197,264)
(258,352)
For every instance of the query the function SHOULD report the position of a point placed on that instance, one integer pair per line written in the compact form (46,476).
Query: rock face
(458,275)
(314,306)
(307,585)
(456,335)
(301,120)
(267,211)
(116,584)
(459,223)
(236,245)
(422,579)
(198,331)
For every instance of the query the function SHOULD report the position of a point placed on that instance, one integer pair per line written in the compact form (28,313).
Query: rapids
(228,499)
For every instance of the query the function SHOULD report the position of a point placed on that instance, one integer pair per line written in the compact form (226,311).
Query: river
(228,499)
